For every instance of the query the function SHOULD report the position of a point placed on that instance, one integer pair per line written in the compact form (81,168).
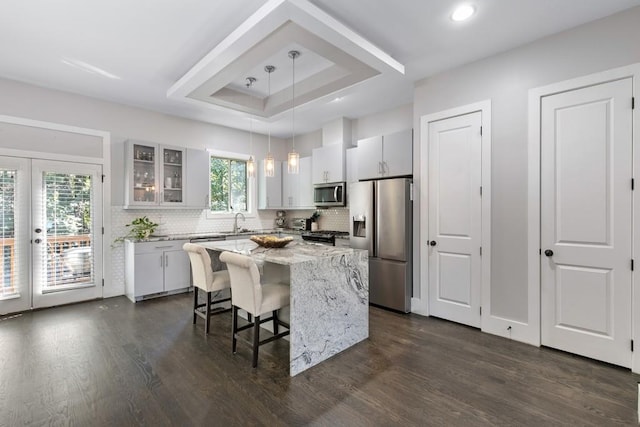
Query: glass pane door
(144,174)
(172,171)
(67,232)
(15,291)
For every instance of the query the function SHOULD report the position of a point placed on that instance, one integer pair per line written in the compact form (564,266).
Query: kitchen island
(329,309)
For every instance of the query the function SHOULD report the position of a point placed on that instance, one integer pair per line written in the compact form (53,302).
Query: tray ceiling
(333,58)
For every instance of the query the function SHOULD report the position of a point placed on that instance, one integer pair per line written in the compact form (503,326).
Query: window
(228,185)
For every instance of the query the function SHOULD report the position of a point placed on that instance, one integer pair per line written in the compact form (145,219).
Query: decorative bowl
(269,241)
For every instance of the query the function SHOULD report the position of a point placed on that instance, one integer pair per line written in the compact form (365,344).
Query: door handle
(433,243)
(38,230)
(166,260)
(37,241)
(548,252)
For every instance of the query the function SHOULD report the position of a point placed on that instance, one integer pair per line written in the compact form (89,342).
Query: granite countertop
(214,235)
(294,253)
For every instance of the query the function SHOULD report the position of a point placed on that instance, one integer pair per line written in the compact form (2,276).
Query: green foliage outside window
(228,180)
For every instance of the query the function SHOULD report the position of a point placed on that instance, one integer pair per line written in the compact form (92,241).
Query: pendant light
(293,160)
(269,161)
(251,164)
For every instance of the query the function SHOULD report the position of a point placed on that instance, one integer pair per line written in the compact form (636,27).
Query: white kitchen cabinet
(297,189)
(305,191)
(197,193)
(155,269)
(386,156)
(270,188)
(370,158)
(328,164)
(154,175)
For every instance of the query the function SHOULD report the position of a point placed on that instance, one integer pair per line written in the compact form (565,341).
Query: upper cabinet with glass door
(154,175)
(172,175)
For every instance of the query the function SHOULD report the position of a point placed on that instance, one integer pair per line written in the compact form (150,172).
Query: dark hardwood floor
(111,362)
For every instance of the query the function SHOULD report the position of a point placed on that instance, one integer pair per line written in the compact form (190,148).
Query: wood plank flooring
(114,363)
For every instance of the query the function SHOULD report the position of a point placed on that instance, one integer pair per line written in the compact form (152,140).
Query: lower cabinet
(154,269)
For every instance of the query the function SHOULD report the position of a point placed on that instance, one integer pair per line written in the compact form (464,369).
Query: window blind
(68,211)
(9,285)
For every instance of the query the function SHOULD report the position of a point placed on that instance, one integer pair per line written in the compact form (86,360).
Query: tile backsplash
(187,221)
(178,221)
(330,219)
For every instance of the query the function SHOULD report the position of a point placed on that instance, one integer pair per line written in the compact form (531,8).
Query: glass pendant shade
(251,167)
(269,166)
(293,162)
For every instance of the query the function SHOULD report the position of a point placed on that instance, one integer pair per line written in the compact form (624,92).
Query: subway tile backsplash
(187,221)
(330,219)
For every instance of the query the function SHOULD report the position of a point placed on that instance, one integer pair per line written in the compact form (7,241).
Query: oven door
(329,194)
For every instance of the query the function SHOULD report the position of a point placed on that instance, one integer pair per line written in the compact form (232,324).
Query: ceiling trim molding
(211,73)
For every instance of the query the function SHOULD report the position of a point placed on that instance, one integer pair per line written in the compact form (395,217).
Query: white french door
(53,238)
(586,221)
(15,288)
(455,218)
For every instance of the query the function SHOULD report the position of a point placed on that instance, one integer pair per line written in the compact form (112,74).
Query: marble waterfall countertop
(329,303)
(294,253)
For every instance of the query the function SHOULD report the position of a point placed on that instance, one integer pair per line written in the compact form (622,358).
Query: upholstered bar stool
(206,279)
(248,293)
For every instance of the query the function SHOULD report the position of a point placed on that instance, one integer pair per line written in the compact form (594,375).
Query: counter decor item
(140,228)
(281,219)
(270,241)
(314,221)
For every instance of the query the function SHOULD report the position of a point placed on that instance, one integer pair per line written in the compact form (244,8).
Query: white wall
(395,120)
(506,79)
(306,143)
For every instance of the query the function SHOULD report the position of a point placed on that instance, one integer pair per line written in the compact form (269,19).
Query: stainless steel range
(328,237)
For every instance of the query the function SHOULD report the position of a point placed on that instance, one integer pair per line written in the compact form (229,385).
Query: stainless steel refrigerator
(380,214)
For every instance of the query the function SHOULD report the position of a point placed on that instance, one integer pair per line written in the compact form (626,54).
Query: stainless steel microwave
(330,194)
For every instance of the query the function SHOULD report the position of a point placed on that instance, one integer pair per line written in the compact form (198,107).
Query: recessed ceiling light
(338,99)
(463,12)
(92,69)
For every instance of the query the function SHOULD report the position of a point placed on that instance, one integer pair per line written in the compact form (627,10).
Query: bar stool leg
(256,339)
(207,316)
(195,304)
(275,322)
(234,329)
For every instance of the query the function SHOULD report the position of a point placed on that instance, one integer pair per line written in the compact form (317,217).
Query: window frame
(251,187)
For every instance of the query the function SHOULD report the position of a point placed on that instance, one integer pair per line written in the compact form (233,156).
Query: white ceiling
(151,44)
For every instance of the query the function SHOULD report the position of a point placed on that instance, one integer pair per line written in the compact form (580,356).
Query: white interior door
(66,232)
(455,230)
(586,213)
(15,289)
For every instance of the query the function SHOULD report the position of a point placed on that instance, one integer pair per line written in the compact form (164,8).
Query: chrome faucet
(235,222)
